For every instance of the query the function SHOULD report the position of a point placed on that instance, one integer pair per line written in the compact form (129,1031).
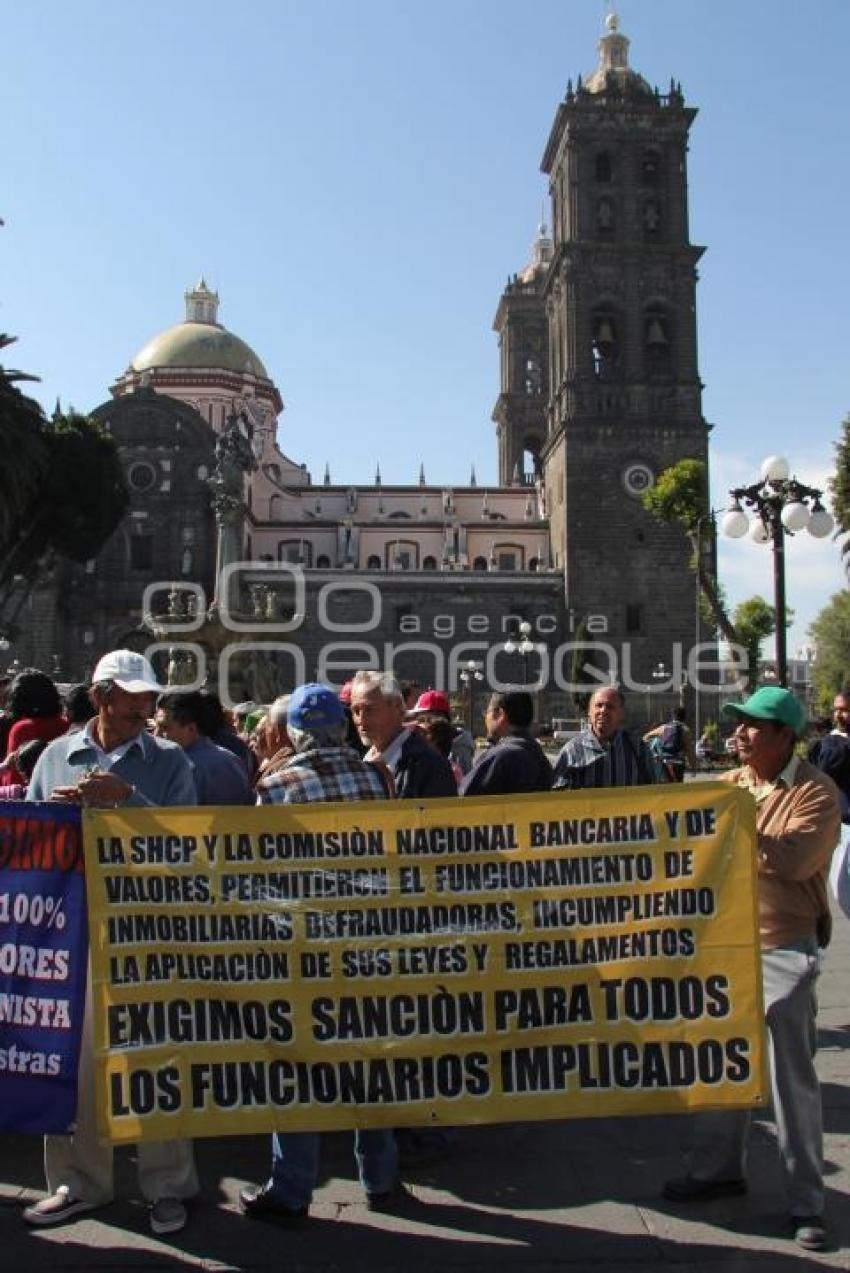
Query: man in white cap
(113,761)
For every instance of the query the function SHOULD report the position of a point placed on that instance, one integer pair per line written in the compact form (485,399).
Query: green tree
(25,456)
(839,489)
(62,491)
(754,620)
(830,630)
(680,495)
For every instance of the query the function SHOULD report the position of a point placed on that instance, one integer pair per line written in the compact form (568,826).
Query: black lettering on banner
(665,998)
(110,852)
(678,863)
(648,1066)
(539,1007)
(397,1080)
(398,1016)
(700,822)
(315,964)
(141,1092)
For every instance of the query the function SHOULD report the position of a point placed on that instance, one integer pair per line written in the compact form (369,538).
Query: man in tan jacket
(798,819)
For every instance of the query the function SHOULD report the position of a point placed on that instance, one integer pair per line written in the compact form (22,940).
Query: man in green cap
(798,819)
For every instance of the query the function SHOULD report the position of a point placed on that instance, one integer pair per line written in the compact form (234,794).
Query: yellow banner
(405,964)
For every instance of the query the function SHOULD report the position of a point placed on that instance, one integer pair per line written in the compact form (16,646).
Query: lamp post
(781,505)
(658,673)
(470,672)
(524,646)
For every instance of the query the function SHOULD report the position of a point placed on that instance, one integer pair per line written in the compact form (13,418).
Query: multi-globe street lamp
(470,672)
(521,645)
(782,506)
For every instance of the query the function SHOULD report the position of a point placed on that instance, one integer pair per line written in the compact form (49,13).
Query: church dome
(199,342)
(199,345)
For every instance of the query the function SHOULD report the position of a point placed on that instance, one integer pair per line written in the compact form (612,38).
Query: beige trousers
(83,1162)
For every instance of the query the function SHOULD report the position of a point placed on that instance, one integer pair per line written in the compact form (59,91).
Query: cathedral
(235,565)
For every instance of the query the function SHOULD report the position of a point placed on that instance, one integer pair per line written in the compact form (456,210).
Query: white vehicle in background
(564,728)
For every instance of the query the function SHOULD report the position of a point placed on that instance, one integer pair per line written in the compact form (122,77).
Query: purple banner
(43,959)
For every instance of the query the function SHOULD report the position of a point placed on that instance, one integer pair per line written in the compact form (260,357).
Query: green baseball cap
(771,702)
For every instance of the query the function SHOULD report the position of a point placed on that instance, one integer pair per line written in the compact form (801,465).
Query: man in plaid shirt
(323,768)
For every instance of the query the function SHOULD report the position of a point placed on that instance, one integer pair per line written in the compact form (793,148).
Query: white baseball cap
(130,671)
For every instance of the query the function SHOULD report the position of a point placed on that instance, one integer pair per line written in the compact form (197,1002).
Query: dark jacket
(422,771)
(831,755)
(514,764)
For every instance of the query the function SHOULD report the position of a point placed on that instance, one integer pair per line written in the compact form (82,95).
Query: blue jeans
(295,1164)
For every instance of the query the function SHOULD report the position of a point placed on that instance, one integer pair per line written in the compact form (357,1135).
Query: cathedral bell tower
(624,394)
(520,413)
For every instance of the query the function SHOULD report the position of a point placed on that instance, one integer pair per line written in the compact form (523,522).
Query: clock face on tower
(637,478)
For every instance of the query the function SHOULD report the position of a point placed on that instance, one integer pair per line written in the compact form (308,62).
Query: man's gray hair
(383,683)
(279,711)
(320,736)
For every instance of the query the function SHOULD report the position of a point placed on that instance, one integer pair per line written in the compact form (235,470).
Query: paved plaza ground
(573,1196)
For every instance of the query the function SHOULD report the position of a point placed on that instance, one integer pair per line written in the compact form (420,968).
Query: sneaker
(58,1208)
(392,1201)
(689,1189)
(167,1215)
(809,1232)
(260,1202)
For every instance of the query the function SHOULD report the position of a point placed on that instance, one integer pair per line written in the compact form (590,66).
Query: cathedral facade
(599,392)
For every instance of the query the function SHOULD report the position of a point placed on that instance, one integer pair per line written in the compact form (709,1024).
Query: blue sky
(358,179)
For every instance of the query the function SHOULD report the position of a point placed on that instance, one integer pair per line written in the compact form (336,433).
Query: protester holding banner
(798,821)
(604,754)
(113,761)
(514,761)
(323,768)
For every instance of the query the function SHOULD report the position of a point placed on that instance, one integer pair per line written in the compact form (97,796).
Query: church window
(373,562)
(605,346)
(656,340)
(604,167)
(141,477)
(509,556)
(398,515)
(323,561)
(479,563)
(295,551)
(533,377)
(429,563)
(651,219)
(402,555)
(634,618)
(605,218)
(141,552)
(534,564)
(650,167)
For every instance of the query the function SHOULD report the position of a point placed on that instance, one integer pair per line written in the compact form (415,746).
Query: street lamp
(781,505)
(470,672)
(523,646)
(658,673)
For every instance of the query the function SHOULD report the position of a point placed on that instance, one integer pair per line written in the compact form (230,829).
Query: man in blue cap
(797,819)
(322,768)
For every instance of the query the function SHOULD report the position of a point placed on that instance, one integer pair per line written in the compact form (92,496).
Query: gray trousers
(719,1145)
(83,1162)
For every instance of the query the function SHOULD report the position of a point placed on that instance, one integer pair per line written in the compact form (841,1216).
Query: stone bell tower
(624,394)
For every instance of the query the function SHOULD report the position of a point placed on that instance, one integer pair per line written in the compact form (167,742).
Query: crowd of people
(126,741)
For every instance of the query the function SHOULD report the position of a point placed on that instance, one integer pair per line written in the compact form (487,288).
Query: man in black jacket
(514,762)
(377,708)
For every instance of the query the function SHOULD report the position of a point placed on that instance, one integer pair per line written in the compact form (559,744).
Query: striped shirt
(328,773)
(586,761)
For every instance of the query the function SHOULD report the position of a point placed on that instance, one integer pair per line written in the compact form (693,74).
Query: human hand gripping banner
(406,964)
(42,965)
